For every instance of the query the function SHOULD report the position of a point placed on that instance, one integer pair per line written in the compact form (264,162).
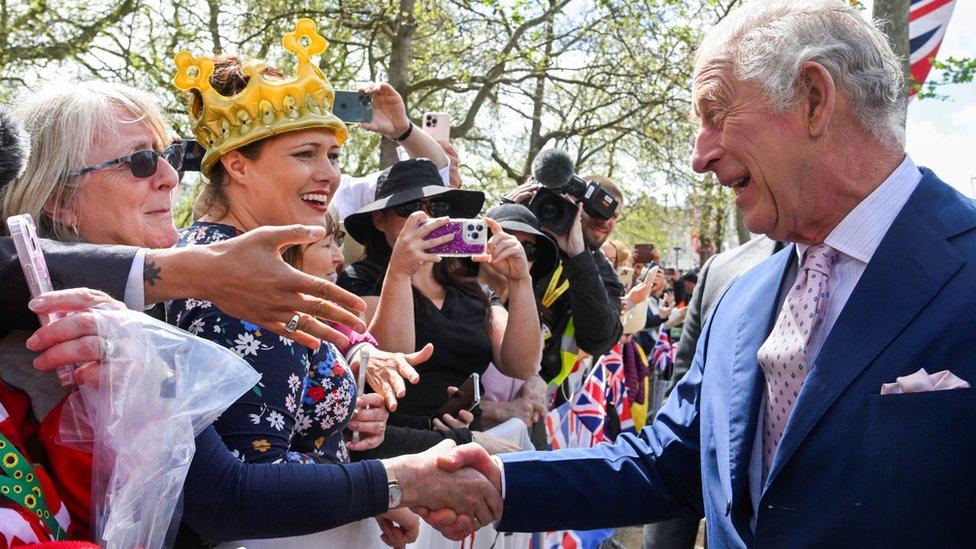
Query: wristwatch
(395,492)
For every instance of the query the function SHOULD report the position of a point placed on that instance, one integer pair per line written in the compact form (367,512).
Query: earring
(74,230)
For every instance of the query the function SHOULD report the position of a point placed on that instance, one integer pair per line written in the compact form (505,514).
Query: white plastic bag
(158,388)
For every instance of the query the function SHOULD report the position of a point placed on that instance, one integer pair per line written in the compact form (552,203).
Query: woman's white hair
(767,41)
(63,122)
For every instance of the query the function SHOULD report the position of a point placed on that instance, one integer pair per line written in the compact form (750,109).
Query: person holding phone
(390,120)
(414,297)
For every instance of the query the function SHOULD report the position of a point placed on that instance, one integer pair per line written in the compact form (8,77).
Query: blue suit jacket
(854,468)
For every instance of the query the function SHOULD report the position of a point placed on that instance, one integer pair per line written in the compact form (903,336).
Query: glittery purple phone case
(470,238)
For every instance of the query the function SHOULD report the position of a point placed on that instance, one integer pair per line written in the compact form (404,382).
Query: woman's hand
(369,420)
(505,254)
(665,311)
(73,339)
(399,526)
(656,276)
(455,173)
(389,112)
(410,249)
(445,423)
(639,293)
(386,371)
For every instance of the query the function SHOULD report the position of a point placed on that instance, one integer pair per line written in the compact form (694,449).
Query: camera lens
(548,212)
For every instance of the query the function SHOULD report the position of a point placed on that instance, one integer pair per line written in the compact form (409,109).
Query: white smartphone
(438,126)
(24,234)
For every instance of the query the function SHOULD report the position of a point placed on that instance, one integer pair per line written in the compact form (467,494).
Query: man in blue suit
(781,433)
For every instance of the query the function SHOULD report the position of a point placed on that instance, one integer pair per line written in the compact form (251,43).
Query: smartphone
(192,155)
(467,398)
(643,253)
(626,276)
(470,238)
(24,234)
(438,126)
(650,272)
(353,106)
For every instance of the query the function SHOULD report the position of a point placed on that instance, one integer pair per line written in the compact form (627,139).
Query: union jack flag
(581,422)
(662,356)
(927,22)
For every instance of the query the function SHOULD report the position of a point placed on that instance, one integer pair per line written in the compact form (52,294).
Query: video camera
(554,170)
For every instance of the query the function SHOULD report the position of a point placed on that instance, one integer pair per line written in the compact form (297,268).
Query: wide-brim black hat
(516,217)
(404,182)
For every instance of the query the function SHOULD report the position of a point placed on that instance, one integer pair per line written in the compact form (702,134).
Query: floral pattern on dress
(278,420)
(331,387)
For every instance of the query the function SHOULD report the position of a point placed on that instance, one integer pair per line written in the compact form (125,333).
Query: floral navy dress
(305,398)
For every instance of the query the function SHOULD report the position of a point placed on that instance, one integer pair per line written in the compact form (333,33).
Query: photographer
(581,299)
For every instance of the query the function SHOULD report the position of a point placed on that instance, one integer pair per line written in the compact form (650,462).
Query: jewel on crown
(267,105)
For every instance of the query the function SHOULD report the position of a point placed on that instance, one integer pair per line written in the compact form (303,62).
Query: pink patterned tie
(783,355)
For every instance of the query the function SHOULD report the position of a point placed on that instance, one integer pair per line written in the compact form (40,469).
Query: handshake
(457,490)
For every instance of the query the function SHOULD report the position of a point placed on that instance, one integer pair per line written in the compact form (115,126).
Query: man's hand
(73,339)
(523,192)
(386,371)
(399,527)
(572,243)
(247,278)
(427,484)
(454,525)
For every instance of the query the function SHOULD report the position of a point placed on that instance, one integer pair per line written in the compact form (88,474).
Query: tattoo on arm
(150,273)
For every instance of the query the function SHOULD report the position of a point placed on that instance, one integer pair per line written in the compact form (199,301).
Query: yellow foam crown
(266,106)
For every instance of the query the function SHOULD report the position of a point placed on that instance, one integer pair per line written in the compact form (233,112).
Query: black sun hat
(516,217)
(407,181)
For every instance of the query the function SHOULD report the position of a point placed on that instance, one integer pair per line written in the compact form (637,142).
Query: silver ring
(293,323)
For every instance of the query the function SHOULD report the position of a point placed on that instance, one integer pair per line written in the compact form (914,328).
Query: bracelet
(405,134)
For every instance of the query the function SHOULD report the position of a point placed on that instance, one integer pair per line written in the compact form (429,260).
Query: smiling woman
(94,172)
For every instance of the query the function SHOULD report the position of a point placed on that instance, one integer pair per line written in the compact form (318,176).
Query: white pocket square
(922,381)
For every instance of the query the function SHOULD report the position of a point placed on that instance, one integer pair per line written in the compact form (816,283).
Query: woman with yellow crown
(272,148)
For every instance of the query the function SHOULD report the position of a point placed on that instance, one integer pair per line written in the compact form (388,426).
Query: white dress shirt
(855,238)
(355,192)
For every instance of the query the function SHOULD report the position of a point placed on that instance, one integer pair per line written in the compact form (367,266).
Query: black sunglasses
(433,206)
(531,250)
(143,163)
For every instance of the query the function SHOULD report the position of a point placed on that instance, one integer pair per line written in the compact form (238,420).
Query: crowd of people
(317,279)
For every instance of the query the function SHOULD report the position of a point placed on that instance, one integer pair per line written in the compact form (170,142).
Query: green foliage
(606,79)
(949,71)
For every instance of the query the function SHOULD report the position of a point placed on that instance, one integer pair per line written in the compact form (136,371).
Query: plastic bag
(158,388)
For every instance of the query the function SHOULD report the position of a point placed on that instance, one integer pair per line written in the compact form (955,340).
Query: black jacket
(103,268)
(592,300)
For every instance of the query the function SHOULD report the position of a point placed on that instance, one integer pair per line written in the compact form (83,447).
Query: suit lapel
(754,324)
(912,264)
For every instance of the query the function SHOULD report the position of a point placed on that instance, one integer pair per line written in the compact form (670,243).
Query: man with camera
(581,298)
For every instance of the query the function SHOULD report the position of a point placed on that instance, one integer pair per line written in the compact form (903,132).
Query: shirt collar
(860,233)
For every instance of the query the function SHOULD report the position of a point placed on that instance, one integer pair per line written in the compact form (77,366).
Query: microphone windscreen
(14,148)
(552,167)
